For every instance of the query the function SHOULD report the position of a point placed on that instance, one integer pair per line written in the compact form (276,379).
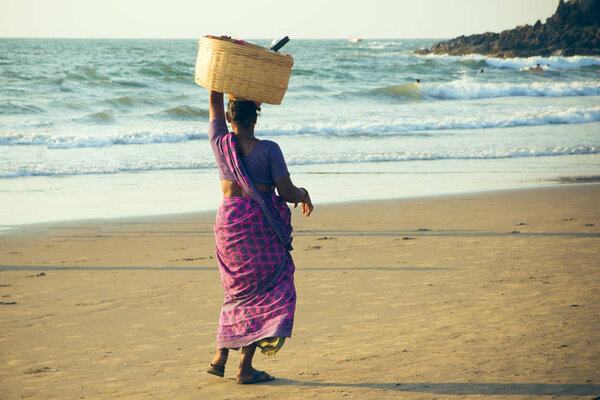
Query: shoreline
(77,197)
(556,183)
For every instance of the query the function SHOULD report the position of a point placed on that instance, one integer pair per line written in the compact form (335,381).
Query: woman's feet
(246,373)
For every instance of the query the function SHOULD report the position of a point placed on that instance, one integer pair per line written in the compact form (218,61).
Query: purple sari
(253,237)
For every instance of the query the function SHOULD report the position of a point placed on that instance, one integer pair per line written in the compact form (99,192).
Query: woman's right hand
(216,109)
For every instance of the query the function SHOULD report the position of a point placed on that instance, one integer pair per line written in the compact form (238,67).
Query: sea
(118,128)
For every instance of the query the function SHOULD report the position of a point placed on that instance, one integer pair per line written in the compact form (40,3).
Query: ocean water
(110,128)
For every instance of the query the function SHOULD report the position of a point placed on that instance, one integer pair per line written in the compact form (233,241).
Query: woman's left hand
(307,206)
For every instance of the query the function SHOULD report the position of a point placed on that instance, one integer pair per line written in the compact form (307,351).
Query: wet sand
(481,295)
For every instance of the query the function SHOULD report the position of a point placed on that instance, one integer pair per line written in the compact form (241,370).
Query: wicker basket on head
(242,69)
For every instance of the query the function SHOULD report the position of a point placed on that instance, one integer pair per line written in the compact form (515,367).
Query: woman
(253,238)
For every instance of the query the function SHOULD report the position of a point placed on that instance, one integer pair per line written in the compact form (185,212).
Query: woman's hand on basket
(307,206)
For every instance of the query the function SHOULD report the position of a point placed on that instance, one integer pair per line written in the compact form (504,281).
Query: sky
(266,18)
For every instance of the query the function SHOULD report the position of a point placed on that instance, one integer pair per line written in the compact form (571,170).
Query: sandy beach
(486,296)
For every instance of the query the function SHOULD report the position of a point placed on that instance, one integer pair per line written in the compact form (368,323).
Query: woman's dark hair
(244,113)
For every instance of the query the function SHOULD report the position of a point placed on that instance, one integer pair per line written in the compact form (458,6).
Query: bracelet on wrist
(305,194)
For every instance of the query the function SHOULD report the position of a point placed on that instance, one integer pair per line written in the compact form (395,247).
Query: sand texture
(486,296)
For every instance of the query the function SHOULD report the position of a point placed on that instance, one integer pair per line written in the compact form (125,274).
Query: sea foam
(67,141)
(42,169)
(555,62)
(534,117)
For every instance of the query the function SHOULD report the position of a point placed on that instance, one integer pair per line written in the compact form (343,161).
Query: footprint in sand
(36,275)
(189,259)
(40,370)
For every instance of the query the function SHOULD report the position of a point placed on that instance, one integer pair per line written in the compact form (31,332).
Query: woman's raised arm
(215,105)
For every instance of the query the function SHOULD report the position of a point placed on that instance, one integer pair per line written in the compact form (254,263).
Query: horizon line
(189,38)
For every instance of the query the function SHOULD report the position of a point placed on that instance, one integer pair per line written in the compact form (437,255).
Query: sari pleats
(257,273)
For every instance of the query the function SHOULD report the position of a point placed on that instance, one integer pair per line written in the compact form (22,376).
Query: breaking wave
(555,62)
(464,89)
(570,115)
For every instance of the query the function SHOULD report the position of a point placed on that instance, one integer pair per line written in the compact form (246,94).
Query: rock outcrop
(574,29)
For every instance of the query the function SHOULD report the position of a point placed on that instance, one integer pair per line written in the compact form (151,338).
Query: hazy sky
(266,18)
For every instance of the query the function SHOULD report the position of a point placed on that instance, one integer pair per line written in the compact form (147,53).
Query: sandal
(216,370)
(257,378)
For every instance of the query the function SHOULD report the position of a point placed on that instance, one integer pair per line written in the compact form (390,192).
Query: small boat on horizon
(355,40)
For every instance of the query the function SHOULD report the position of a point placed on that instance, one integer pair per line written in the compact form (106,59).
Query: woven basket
(242,69)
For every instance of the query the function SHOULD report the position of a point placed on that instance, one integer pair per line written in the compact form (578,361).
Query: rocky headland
(574,29)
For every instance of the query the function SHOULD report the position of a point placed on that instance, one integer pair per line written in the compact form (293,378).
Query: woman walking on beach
(253,238)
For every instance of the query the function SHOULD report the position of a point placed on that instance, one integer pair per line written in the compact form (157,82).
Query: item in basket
(278,44)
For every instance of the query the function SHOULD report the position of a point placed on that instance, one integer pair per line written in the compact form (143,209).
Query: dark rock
(574,29)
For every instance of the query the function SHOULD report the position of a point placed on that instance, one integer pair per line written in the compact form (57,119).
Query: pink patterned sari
(253,237)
